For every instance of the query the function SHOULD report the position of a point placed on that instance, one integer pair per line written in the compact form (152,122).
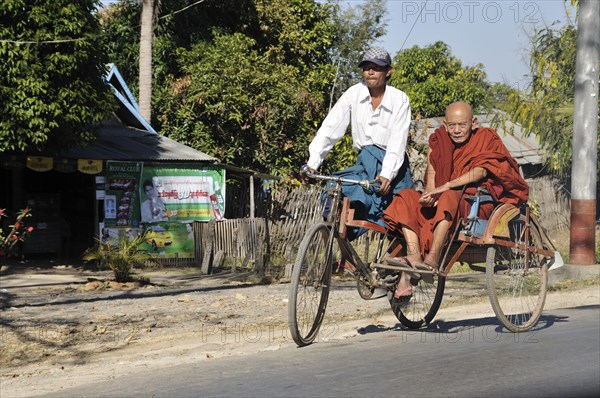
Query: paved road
(471,358)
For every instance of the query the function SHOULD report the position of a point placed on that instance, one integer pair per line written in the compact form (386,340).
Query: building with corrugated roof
(67,191)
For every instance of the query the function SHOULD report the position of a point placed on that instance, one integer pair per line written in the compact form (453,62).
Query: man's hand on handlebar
(307,170)
(306,173)
(385,187)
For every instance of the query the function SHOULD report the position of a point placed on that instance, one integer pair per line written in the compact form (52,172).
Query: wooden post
(251,197)
(258,252)
(208,248)
(234,249)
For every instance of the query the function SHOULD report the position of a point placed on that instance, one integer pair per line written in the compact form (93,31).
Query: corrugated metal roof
(524,147)
(127,143)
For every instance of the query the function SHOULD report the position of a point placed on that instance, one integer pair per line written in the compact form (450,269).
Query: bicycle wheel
(309,289)
(516,283)
(419,309)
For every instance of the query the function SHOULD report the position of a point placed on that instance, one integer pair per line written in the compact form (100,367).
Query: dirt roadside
(65,326)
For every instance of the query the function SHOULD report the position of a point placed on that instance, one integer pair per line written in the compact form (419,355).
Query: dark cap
(376,55)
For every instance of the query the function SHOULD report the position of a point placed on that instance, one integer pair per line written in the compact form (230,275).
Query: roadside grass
(570,284)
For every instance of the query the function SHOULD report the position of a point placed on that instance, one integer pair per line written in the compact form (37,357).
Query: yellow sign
(39,163)
(89,166)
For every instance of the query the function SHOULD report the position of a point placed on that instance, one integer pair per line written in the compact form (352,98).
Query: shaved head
(460,106)
(459,121)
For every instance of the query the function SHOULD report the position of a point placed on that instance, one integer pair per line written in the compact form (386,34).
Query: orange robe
(483,149)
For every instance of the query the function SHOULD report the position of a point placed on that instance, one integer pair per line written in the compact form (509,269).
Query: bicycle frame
(337,225)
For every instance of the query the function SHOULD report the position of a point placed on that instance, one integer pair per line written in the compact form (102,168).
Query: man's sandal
(403,293)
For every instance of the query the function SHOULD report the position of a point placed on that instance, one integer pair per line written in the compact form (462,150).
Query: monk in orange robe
(460,154)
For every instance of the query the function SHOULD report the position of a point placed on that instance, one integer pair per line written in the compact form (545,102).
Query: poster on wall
(168,240)
(110,208)
(122,182)
(161,240)
(182,193)
(161,202)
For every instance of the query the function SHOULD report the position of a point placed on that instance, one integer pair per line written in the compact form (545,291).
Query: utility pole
(585,133)
(145,76)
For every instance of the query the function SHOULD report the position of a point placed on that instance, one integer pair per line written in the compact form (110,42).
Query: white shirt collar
(366,96)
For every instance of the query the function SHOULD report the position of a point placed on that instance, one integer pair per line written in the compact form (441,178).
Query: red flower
(29,229)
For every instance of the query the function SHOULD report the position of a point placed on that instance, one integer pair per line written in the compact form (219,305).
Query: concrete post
(585,132)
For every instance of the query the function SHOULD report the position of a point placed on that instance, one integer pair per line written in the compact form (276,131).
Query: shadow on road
(461,326)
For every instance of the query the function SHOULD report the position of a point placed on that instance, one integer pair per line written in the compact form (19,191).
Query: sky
(493,33)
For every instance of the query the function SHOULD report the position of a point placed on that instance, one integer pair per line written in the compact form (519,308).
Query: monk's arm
(477,174)
(429,173)
(474,175)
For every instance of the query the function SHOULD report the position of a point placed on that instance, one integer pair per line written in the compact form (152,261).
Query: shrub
(15,233)
(121,256)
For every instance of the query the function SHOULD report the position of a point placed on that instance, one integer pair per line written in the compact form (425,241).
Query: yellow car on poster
(158,237)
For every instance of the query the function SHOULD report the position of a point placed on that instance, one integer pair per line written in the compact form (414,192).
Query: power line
(183,9)
(82,38)
(413,25)
(41,41)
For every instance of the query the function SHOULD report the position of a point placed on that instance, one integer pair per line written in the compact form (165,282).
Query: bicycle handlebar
(365,183)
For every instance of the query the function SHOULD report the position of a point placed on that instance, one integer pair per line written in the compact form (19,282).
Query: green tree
(545,108)
(433,78)
(51,88)
(237,105)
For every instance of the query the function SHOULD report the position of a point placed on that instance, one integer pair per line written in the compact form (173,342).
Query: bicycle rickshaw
(510,247)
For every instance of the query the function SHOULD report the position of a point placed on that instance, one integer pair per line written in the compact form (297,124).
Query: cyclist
(379,116)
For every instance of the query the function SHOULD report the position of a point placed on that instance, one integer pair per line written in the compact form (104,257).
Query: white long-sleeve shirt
(385,127)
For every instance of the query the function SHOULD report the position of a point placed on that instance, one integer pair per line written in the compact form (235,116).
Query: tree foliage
(433,78)
(246,81)
(250,81)
(239,106)
(51,88)
(546,107)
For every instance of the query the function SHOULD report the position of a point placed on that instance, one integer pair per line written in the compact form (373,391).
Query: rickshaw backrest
(475,226)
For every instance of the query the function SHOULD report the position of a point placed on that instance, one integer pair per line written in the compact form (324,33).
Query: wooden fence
(253,243)
(248,243)
(552,200)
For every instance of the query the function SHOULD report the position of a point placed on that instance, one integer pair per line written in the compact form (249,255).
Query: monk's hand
(429,199)
(385,187)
